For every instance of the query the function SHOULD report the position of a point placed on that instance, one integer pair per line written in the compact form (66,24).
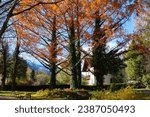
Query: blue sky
(129,28)
(129,25)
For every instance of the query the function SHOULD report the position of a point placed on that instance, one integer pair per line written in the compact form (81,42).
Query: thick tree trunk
(98,66)
(79,76)
(98,60)
(73,59)
(53,56)
(53,76)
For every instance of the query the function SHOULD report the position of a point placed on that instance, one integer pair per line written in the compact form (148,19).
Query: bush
(42,79)
(28,82)
(123,94)
(43,93)
(117,86)
(63,78)
(66,93)
(127,94)
(146,80)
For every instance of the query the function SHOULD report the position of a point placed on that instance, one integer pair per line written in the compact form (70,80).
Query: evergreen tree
(104,61)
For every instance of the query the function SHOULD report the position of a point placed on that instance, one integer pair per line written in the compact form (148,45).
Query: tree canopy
(55,32)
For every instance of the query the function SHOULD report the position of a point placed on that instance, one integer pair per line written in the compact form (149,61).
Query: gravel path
(8,98)
(143,91)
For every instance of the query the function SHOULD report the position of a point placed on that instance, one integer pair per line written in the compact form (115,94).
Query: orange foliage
(36,25)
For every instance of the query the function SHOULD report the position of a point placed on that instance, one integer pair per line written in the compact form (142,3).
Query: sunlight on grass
(57,94)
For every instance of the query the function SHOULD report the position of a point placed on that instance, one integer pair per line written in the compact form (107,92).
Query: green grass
(21,94)
(59,94)
(16,94)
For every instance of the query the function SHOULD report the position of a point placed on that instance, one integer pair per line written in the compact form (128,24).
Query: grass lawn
(21,95)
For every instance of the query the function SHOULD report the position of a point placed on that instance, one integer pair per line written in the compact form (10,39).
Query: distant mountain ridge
(37,67)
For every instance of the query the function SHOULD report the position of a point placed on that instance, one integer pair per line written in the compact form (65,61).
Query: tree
(135,63)
(42,45)
(54,43)
(11,8)
(4,52)
(75,25)
(21,68)
(78,36)
(109,16)
(141,46)
(104,61)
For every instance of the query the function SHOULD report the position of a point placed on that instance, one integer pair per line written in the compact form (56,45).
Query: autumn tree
(76,26)
(10,8)
(42,45)
(108,17)
(65,28)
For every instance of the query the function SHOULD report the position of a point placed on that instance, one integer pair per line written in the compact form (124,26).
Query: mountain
(37,67)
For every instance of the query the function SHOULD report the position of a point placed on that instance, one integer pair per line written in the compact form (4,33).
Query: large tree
(108,17)
(41,36)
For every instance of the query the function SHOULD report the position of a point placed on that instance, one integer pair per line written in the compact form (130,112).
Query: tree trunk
(4,73)
(53,76)
(79,76)
(98,66)
(73,61)
(53,56)
(98,60)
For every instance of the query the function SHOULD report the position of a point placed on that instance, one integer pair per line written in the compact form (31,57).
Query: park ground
(127,93)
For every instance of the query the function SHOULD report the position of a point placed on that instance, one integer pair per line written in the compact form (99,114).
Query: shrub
(146,80)
(117,86)
(43,93)
(28,82)
(42,79)
(63,78)
(126,94)
(66,93)
(123,94)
